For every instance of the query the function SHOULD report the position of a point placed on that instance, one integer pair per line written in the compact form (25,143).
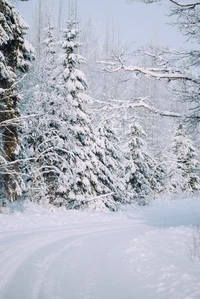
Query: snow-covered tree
(184,63)
(15,53)
(87,179)
(143,174)
(40,137)
(113,160)
(66,168)
(183,165)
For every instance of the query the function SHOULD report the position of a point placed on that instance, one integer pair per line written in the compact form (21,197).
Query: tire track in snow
(45,266)
(5,235)
(24,250)
(49,283)
(15,256)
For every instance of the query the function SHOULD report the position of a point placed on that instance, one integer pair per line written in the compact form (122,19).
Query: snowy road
(84,262)
(124,258)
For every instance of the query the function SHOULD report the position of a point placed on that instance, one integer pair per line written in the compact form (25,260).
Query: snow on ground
(138,253)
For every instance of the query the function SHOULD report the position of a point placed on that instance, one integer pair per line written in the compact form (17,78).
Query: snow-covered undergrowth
(139,252)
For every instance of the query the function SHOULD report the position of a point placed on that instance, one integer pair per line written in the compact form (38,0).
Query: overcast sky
(138,22)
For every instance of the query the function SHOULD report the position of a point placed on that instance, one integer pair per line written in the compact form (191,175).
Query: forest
(89,123)
(99,150)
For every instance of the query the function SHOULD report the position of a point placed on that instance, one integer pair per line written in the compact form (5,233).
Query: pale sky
(138,22)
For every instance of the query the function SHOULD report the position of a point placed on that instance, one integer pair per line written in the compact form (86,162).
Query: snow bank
(32,216)
(163,213)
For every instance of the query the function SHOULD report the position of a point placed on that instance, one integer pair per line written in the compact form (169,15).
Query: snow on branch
(137,103)
(187,5)
(15,121)
(98,197)
(155,110)
(154,72)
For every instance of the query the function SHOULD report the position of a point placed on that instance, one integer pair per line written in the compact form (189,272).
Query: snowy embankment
(138,253)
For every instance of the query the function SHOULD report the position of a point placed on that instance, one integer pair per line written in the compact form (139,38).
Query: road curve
(73,262)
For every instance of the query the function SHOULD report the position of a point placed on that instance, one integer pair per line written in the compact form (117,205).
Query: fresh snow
(137,253)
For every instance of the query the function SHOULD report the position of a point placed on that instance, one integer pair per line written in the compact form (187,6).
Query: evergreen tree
(67,169)
(143,175)
(41,137)
(182,173)
(113,161)
(15,53)
(86,183)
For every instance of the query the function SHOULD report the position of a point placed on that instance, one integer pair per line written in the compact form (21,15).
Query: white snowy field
(138,253)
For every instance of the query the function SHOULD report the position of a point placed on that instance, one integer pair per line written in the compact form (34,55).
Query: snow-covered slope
(138,253)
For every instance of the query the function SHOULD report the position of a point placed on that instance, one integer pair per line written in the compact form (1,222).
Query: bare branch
(186,5)
(189,5)
(154,72)
(138,103)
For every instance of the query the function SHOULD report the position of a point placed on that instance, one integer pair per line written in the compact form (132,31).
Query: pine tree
(15,53)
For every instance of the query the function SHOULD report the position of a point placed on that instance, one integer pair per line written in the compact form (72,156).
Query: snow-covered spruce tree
(113,160)
(143,175)
(15,53)
(41,138)
(85,180)
(182,173)
(61,140)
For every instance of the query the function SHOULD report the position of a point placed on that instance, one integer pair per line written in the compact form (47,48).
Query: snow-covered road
(132,255)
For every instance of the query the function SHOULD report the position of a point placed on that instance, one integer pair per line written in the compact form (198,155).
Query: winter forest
(99,150)
(93,124)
